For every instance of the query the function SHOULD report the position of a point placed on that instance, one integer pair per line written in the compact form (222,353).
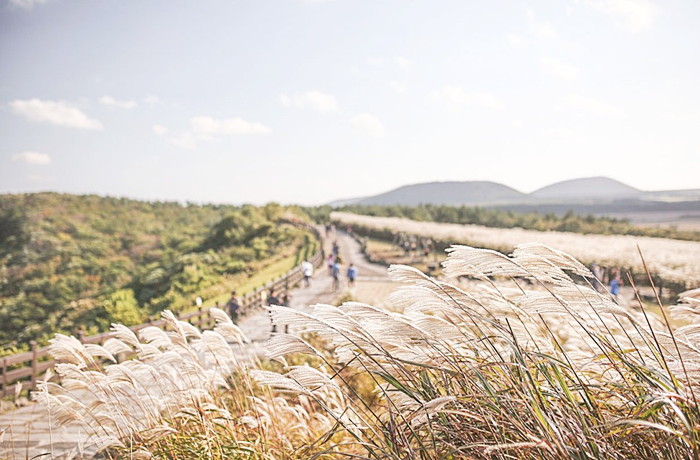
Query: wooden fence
(25,368)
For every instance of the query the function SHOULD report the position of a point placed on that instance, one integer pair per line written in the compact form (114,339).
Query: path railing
(25,368)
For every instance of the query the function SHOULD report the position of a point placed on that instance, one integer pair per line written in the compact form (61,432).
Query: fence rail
(25,368)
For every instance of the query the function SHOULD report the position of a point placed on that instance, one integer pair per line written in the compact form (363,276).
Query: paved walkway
(29,433)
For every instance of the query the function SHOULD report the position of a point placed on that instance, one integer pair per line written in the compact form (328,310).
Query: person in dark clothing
(234,307)
(273,299)
(286,299)
(352,274)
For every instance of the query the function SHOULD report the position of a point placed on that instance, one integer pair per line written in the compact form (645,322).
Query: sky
(300,101)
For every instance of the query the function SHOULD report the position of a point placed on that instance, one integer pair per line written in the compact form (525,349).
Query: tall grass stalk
(529,364)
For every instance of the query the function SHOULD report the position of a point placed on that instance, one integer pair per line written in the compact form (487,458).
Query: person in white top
(307,269)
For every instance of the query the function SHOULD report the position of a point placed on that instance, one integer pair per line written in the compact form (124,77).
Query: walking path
(29,433)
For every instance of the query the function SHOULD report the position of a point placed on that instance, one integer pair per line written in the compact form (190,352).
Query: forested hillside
(82,262)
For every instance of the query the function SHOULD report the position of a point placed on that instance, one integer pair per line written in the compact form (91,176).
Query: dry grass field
(522,364)
(673,260)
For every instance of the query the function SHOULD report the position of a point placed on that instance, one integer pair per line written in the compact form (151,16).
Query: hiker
(307,269)
(427,247)
(272,299)
(233,306)
(597,277)
(330,260)
(286,300)
(352,274)
(336,249)
(615,283)
(335,272)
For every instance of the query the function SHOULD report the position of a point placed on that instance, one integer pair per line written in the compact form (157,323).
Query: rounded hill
(598,188)
(447,193)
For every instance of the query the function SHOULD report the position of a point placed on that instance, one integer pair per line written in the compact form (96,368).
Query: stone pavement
(29,433)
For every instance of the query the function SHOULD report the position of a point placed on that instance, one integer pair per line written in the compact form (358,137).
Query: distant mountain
(591,193)
(448,193)
(345,202)
(586,189)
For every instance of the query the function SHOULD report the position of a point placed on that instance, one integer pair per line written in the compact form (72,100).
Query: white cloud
(160,130)
(458,97)
(205,127)
(516,40)
(594,106)
(682,117)
(315,100)
(368,124)
(564,134)
(518,123)
(34,158)
(542,29)
(152,101)
(210,129)
(398,86)
(184,141)
(400,61)
(403,63)
(27,4)
(631,15)
(559,68)
(54,112)
(111,102)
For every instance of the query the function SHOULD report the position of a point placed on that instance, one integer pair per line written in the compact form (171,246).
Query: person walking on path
(273,299)
(597,277)
(352,274)
(233,306)
(307,269)
(286,299)
(330,260)
(615,283)
(335,273)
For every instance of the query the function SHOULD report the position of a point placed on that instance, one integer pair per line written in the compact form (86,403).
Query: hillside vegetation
(82,262)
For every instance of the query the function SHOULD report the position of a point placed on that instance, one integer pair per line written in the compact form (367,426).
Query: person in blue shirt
(615,284)
(352,274)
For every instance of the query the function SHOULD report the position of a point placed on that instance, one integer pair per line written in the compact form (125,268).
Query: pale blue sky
(311,101)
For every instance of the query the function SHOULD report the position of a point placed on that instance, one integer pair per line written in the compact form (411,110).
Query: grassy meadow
(527,364)
(677,261)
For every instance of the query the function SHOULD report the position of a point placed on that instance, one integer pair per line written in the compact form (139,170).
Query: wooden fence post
(35,364)
(4,376)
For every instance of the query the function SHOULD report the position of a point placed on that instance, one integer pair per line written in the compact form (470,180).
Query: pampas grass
(529,364)
(673,260)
